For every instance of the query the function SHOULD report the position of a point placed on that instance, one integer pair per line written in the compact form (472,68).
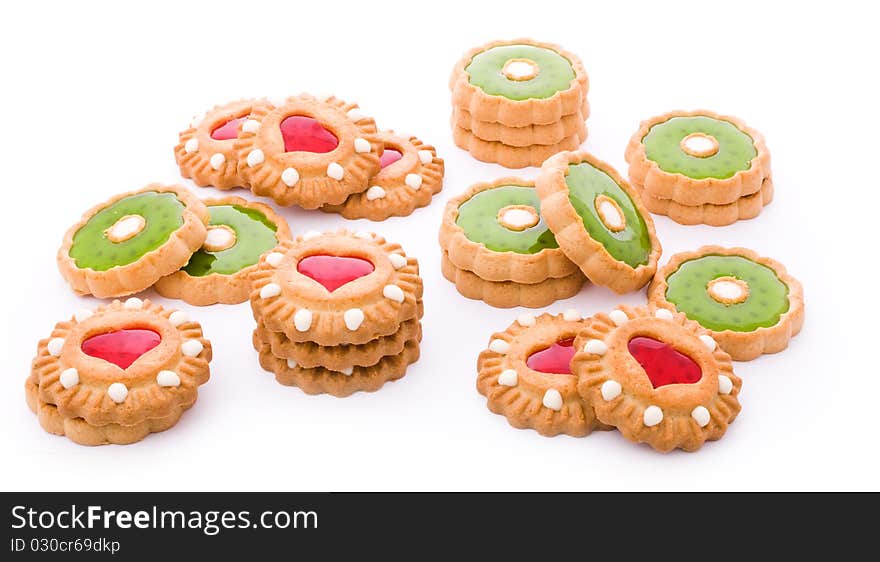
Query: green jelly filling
(632,245)
(767,300)
(478,217)
(162,212)
(736,149)
(554,72)
(254,235)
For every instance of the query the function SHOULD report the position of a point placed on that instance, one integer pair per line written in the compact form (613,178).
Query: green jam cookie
(735,149)
(487,72)
(162,214)
(254,235)
(588,185)
(479,218)
(766,300)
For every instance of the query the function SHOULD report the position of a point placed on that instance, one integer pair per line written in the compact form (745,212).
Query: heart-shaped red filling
(228,130)
(663,364)
(122,347)
(554,359)
(334,271)
(389,156)
(306,134)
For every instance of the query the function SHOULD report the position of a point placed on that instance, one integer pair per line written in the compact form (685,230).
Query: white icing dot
(709,342)
(310,234)
(508,377)
(518,219)
(69,377)
(652,416)
(274,258)
(552,399)
(178,317)
(192,145)
(290,176)
(526,320)
(219,238)
(499,346)
(363,235)
(125,228)
(54,346)
(167,378)
(335,171)
(413,180)
(426,156)
(347,371)
(727,290)
(375,192)
(397,260)
(610,390)
(133,303)
(596,347)
(701,416)
(699,144)
(270,290)
(362,145)
(611,215)
(217,160)
(520,69)
(83,314)
(255,157)
(355,115)
(292,364)
(619,317)
(191,348)
(725,385)
(663,314)
(394,293)
(353,318)
(571,315)
(250,126)
(117,392)
(302,320)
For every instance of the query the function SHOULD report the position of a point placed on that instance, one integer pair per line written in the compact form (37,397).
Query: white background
(93,98)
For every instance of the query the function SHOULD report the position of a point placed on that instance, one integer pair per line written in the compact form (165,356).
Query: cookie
(519,83)
(552,133)
(697,157)
(747,207)
(511,156)
(748,303)
(507,294)
(336,288)
(320,380)
(496,230)
(308,152)
(657,377)
(411,174)
(239,232)
(525,375)
(599,220)
(341,357)
(117,373)
(127,243)
(206,151)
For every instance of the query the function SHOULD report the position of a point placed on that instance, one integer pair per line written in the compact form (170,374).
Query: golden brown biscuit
(511,156)
(747,207)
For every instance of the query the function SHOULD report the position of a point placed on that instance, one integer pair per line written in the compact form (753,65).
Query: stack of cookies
(516,103)
(314,152)
(337,312)
(698,167)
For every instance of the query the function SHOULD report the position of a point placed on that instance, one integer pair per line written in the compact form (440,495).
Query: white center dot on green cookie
(518,217)
(125,228)
(700,145)
(520,69)
(728,290)
(219,238)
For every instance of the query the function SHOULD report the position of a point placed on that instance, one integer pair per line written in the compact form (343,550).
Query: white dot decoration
(82,314)
(362,145)
(596,347)
(347,371)
(274,258)
(178,317)
(270,290)
(552,399)
(192,145)
(571,315)
(363,235)
(168,378)
(133,303)
(413,180)
(302,320)
(526,320)
(217,160)
(54,346)
(310,235)
(375,192)
(610,390)
(292,364)
(335,171)
(499,346)
(701,416)
(397,260)
(191,348)
(290,176)
(709,342)
(255,157)
(725,385)
(353,318)
(117,392)
(69,378)
(393,292)
(426,156)
(618,316)
(250,126)
(663,314)
(508,377)
(652,416)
